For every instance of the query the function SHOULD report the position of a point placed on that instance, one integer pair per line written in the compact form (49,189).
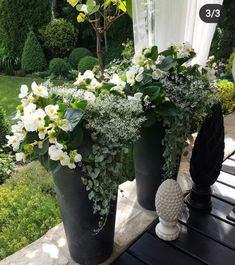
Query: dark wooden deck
(204,239)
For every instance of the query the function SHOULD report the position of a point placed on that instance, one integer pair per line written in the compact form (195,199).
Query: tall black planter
(148,159)
(86,247)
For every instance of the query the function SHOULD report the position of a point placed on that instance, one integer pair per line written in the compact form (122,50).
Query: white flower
(160,58)
(14,140)
(40,90)
(39,118)
(17,116)
(17,128)
(54,151)
(23,91)
(117,88)
(79,80)
(211,74)
(130,76)
(157,74)
(26,101)
(42,133)
(78,158)
(88,74)
(117,80)
(30,109)
(89,96)
(139,77)
(51,111)
(138,58)
(71,165)
(64,159)
(93,84)
(138,95)
(20,157)
(29,122)
(65,125)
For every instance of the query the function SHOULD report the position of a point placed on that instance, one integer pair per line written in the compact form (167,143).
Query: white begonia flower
(17,116)
(88,74)
(54,151)
(79,80)
(27,100)
(65,125)
(42,133)
(14,141)
(138,58)
(117,80)
(157,74)
(39,90)
(93,84)
(84,9)
(64,159)
(29,122)
(130,76)
(17,128)
(71,165)
(51,111)
(78,158)
(20,157)
(39,118)
(89,96)
(30,109)
(23,91)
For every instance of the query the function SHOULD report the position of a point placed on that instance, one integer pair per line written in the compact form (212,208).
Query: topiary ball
(59,67)
(76,55)
(87,63)
(60,37)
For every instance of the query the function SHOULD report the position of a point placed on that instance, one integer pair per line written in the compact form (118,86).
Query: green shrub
(6,166)
(26,215)
(8,62)
(35,175)
(230,63)
(226,94)
(87,63)
(60,37)
(59,67)
(33,58)
(76,55)
(4,127)
(17,17)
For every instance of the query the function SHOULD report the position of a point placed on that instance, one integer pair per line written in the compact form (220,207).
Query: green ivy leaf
(167,108)
(79,104)
(153,92)
(129,7)
(77,137)
(167,63)
(74,116)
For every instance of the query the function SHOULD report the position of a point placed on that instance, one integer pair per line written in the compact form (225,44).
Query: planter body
(86,247)
(148,160)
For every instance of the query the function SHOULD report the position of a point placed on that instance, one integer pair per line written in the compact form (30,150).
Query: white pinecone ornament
(169,206)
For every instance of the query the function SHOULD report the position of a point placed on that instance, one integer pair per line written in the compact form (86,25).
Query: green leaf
(129,7)
(154,53)
(81,18)
(49,164)
(79,104)
(78,7)
(107,3)
(74,116)
(122,6)
(152,91)
(73,3)
(77,137)
(167,63)
(43,150)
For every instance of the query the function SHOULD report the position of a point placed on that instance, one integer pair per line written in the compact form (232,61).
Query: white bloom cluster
(44,121)
(88,79)
(184,50)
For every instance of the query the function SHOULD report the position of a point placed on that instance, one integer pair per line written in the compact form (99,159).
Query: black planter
(148,160)
(86,247)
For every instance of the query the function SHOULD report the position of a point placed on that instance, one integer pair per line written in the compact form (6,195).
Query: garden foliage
(76,55)
(87,63)
(59,67)
(60,37)
(6,166)
(17,17)
(33,58)
(4,127)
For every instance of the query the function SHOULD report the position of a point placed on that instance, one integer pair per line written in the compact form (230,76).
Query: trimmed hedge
(76,55)
(33,58)
(17,17)
(60,37)
(59,67)
(4,127)
(87,63)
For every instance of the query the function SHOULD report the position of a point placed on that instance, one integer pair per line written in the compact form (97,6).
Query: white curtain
(166,22)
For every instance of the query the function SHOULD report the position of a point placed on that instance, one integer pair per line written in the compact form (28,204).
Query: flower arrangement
(171,91)
(86,125)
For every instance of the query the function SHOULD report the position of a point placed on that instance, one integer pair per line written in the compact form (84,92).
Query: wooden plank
(154,251)
(203,247)
(127,259)
(229,166)
(227,179)
(210,226)
(221,209)
(224,192)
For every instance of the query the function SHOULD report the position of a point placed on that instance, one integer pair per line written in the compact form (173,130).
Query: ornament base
(166,230)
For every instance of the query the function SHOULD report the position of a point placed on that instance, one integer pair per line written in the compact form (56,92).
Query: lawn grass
(9,90)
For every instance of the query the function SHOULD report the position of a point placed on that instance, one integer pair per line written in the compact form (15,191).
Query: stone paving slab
(131,219)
